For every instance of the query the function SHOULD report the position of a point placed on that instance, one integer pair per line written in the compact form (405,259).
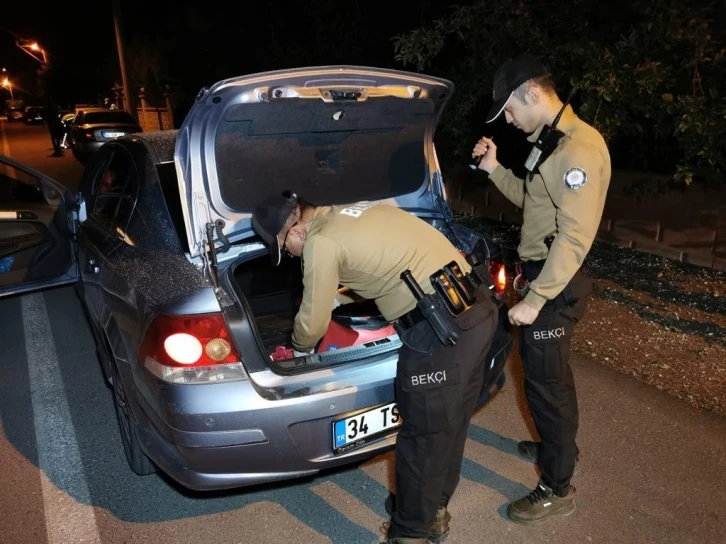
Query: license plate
(108,134)
(356,431)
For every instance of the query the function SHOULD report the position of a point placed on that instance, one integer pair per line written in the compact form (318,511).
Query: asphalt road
(31,145)
(652,467)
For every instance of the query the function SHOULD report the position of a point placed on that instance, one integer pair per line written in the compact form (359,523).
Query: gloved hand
(303,353)
(281,353)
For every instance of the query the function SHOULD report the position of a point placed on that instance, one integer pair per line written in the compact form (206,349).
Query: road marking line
(58,452)
(350,506)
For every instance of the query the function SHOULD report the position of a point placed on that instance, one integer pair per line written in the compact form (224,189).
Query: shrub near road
(660,320)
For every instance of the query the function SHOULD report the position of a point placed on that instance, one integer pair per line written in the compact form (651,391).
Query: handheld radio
(547,140)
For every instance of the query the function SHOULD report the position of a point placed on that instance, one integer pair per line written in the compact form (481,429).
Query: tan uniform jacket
(365,247)
(565,199)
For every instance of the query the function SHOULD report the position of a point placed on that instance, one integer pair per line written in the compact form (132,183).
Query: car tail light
(498,273)
(191,349)
(88,135)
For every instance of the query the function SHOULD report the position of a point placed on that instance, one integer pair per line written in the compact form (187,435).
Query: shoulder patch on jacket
(575,178)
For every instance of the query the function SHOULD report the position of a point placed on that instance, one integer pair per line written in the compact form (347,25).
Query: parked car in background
(182,298)
(14,112)
(93,127)
(33,115)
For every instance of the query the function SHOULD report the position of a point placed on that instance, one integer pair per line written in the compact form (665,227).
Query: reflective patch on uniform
(550,334)
(421,373)
(429,378)
(575,178)
(545,335)
(356,210)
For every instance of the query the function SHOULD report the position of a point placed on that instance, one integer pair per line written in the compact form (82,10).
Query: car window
(170,188)
(96,164)
(116,190)
(18,187)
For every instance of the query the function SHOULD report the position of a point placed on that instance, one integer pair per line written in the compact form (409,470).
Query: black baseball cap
(268,219)
(511,75)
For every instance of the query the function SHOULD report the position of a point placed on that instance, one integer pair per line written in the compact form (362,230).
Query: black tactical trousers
(548,382)
(436,389)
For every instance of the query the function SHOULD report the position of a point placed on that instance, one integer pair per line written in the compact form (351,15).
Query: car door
(110,192)
(36,230)
(92,244)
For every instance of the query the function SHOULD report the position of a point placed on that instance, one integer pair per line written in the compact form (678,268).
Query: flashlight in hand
(474,164)
(476,161)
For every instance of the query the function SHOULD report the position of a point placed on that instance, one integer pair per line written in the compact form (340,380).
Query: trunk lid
(331,134)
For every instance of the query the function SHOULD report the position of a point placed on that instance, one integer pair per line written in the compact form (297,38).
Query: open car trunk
(273,295)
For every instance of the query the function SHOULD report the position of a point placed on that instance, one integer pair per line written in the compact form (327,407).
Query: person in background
(51,115)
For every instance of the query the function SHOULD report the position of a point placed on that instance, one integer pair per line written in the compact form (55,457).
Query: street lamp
(32,49)
(9,87)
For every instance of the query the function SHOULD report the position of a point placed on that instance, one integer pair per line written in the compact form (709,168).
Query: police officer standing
(562,198)
(51,115)
(368,248)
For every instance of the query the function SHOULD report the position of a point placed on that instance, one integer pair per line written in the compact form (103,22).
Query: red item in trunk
(344,332)
(281,353)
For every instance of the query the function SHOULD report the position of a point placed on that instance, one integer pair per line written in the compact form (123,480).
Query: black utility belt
(532,269)
(410,319)
(454,294)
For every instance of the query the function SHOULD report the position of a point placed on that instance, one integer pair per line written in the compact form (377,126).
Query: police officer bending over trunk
(386,254)
(562,198)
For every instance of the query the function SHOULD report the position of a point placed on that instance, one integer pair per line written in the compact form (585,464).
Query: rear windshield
(108,117)
(328,153)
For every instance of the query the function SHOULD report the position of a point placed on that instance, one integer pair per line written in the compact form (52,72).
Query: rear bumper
(278,440)
(87,147)
(187,465)
(272,440)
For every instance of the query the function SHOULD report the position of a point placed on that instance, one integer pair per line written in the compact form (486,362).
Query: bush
(651,77)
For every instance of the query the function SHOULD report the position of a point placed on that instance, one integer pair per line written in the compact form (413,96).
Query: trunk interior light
(184,348)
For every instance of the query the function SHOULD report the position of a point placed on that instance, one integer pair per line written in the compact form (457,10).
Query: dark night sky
(204,42)
(56,26)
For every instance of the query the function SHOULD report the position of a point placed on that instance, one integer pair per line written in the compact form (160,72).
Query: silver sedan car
(93,127)
(181,297)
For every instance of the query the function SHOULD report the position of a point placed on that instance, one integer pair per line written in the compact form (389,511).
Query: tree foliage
(651,77)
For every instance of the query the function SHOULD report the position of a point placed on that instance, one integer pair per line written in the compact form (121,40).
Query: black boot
(439,530)
(529,450)
(540,505)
